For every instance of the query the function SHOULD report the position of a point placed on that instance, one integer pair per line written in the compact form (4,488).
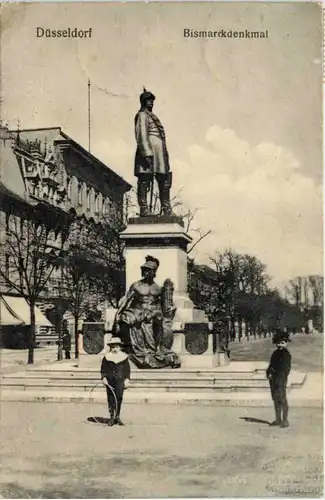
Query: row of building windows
(89,198)
(18,227)
(77,191)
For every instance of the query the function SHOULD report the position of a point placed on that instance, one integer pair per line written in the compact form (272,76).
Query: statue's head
(149,268)
(147,99)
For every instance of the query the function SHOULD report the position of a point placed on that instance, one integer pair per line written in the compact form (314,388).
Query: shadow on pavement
(255,420)
(66,490)
(98,420)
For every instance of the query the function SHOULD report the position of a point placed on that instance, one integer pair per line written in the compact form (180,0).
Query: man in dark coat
(277,373)
(151,159)
(66,342)
(115,373)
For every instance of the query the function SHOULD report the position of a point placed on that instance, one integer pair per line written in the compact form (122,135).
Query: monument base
(208,359)
(164,238)
(198,351)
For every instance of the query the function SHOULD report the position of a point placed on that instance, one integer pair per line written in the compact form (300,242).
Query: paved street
(52,451)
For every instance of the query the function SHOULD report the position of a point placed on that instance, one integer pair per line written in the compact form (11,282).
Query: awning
(7,316)
(20,309)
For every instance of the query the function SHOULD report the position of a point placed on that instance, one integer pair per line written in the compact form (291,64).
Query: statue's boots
(118,421)
(164,186)
(143,188)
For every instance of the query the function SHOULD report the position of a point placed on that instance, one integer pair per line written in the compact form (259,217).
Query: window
(88,198)
(96,203)
(69,188)
(7,222)
(79,193)
(105,206)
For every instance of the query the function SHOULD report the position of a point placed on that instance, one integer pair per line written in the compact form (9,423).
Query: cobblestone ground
(53,451)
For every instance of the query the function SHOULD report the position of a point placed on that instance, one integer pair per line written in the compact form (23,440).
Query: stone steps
(64,381)
(304,391)
(190,381)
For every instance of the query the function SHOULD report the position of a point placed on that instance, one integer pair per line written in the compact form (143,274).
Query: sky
(243,117)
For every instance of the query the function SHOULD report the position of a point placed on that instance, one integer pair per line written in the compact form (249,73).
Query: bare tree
(188,216)
(94,267)
(78,288)
(294,291)
(244,282)
(316,284)
(107,249)
(30,250)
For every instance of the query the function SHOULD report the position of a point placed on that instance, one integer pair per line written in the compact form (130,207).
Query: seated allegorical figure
(144,320)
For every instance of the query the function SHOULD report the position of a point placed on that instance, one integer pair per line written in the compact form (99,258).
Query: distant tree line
(236,288)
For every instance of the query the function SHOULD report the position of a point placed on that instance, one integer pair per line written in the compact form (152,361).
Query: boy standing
(115,373)
(277,373)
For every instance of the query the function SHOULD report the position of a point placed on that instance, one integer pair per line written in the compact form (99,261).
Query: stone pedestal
(164,238)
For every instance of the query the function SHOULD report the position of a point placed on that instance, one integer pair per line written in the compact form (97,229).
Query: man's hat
(115,340)
(146,95)
(151,263)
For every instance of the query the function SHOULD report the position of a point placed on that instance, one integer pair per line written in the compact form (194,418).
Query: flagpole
(89,116)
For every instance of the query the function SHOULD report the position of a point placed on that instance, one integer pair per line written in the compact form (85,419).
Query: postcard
(161,278)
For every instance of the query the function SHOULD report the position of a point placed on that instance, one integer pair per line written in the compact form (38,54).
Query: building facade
(47,169)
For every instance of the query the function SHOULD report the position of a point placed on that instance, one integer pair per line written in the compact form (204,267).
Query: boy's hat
(115,340)
(281,335)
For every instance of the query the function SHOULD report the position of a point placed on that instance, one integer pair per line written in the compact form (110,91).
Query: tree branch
(198,241)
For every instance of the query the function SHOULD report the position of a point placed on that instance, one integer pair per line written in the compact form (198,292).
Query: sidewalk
(15,360)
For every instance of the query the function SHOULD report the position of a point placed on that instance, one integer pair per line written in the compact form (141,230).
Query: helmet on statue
(151,263)
(146,95)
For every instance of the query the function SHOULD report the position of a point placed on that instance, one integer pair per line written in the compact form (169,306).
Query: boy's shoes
(285,423)
(118,421)
(110,422)
(276,422)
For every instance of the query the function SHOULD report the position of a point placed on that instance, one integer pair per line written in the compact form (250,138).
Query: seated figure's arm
(126,301)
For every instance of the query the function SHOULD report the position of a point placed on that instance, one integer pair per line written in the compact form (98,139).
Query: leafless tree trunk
(30,250)
(31,339)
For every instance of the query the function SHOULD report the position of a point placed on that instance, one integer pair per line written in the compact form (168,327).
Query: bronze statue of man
(144,320)
(151,159)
